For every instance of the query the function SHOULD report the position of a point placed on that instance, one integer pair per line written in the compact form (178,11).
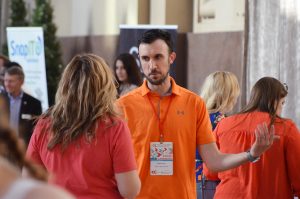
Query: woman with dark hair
(276,173)
(12,184)
(81,141)
(127,73)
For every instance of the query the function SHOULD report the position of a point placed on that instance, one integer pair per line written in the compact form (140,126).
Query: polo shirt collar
(175,87)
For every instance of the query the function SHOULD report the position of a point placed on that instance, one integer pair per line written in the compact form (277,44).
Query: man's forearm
(217,161)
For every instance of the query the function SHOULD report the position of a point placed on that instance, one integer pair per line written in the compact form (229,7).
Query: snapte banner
(130,34)
(26,46)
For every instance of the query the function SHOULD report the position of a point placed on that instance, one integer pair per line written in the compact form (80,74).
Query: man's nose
(152,64)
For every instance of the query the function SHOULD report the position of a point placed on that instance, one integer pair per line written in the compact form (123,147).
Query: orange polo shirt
(275,176)
(187,125)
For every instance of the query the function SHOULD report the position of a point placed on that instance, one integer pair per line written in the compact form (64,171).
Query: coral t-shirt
(84,168)
(276,175)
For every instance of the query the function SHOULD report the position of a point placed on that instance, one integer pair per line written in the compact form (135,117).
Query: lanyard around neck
(160,121)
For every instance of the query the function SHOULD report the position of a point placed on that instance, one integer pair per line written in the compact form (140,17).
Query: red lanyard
(160,122)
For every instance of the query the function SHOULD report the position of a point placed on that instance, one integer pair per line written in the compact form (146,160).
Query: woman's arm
(128,183)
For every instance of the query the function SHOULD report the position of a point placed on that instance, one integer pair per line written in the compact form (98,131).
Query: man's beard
(158,81)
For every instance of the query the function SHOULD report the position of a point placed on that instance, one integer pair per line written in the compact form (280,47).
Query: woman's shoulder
(111,122)
(42,121)
(252,119)
(42,125)
(132,86)
(125,89)
(112,128)
(287,123)
(246,116)
(239,121)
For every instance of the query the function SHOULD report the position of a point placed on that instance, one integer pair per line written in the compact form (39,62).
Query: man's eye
(157,56)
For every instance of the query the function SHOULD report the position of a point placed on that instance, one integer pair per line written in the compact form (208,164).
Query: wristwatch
(251,158)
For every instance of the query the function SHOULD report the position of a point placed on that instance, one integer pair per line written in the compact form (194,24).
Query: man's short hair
(11,64)
(15,70)
(152,35)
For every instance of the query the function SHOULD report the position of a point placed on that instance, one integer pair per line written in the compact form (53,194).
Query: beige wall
(218,15)
(181,13)
(104,46)
(157,12)
(93,17)
(143,12)
(62,13)
(209,52)
(102,17)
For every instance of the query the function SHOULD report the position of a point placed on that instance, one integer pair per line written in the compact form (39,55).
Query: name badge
(161,158)
(26,116)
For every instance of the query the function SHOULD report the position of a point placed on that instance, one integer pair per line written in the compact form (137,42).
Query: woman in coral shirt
(81,141)
(276,173)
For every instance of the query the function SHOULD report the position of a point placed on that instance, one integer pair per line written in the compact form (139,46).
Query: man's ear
(172,57)
(22,80)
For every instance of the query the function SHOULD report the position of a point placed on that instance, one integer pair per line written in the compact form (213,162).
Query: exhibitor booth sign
(26,46)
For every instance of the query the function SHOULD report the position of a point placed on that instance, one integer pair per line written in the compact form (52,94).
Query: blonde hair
(220,91)
(86,93)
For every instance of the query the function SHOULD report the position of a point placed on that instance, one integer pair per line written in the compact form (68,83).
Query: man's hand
(263,139)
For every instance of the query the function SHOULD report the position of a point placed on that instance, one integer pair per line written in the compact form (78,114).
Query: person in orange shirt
(276,175)
(168,122)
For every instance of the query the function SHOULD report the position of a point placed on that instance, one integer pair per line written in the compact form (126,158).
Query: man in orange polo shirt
(168,122)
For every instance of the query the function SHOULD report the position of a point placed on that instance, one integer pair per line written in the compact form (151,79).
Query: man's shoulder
(30,98)
(134,94)
(188,93)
